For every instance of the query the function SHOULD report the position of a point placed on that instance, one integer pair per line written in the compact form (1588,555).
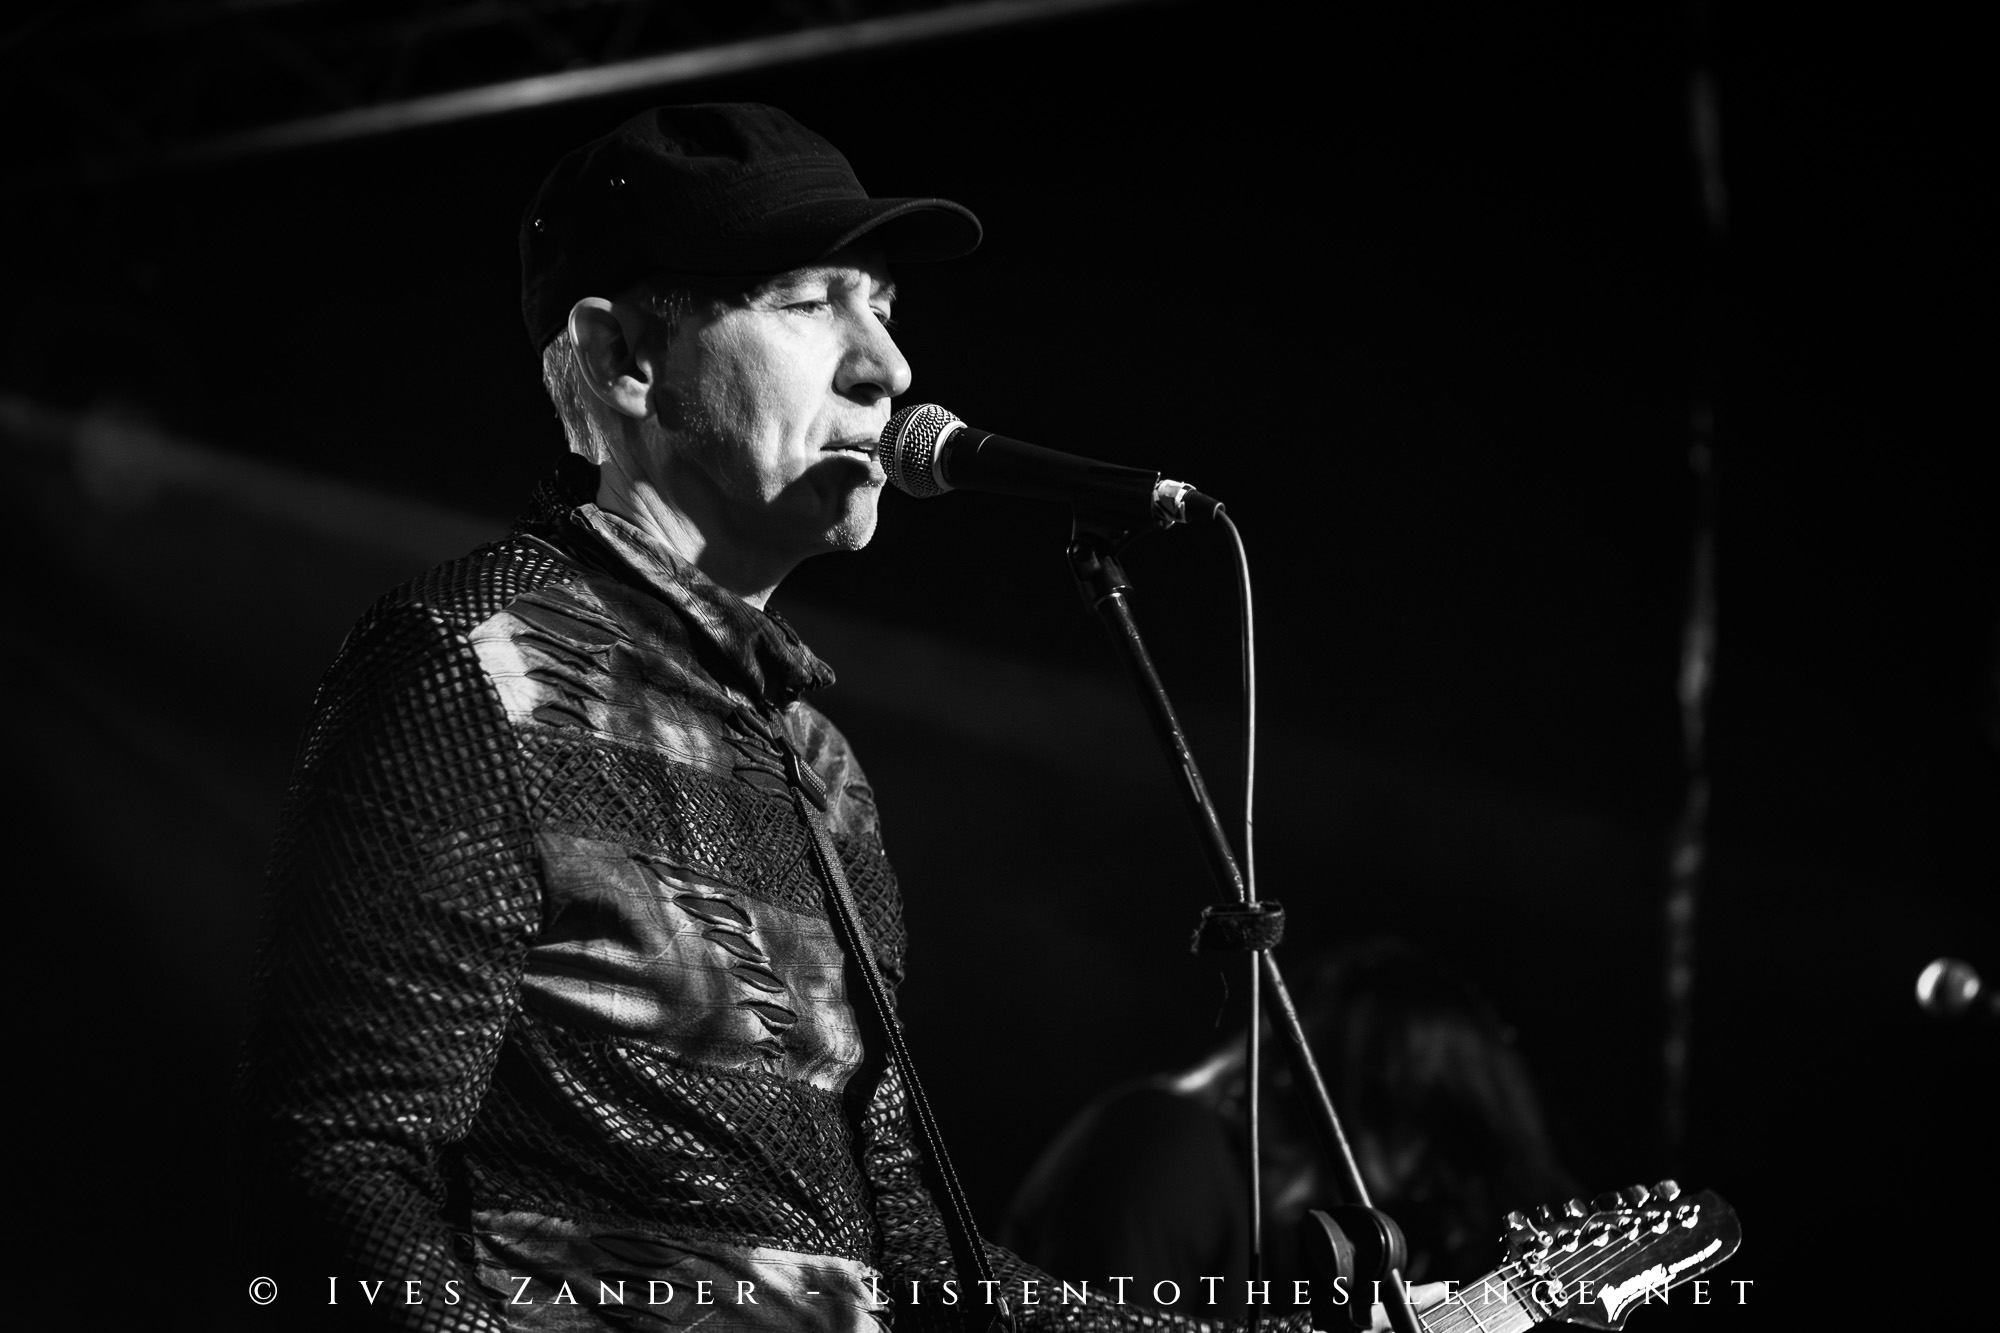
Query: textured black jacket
(548,986)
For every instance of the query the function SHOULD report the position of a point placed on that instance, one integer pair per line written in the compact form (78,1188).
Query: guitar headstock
(1592,1264)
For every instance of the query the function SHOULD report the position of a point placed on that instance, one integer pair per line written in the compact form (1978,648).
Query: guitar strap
(968,1254)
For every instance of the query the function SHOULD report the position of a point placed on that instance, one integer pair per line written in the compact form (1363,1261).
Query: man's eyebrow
(884,290)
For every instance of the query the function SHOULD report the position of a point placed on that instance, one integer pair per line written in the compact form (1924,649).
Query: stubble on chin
(854,528)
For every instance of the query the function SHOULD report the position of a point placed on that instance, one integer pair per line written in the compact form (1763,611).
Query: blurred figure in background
(1149,1180)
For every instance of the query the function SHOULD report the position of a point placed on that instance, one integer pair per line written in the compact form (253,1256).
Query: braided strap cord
(968,1257)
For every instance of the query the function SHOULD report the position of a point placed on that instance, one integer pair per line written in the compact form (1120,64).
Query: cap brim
(909,230)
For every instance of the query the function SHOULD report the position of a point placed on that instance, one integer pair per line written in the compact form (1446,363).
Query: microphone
(927,451)
(1950,988)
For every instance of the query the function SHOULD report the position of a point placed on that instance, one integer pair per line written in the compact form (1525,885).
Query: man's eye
(886,320)
(812,306)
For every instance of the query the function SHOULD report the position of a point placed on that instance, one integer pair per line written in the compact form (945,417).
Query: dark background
(1415,290)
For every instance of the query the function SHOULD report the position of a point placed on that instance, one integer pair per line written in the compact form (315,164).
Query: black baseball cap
(727,189)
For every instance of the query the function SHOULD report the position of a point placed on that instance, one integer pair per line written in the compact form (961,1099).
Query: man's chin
(854,527)
(851,533)
(824,511)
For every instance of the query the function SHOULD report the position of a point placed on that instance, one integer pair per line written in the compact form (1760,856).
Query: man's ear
(609,339)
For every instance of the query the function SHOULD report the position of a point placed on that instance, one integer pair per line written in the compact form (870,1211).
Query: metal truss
(106,90)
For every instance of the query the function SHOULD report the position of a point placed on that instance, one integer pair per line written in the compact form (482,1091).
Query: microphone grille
(909,448)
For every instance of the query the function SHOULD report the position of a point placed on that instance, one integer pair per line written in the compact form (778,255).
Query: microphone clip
(1177,502)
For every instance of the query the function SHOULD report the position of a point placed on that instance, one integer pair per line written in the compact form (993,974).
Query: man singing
(573,1010)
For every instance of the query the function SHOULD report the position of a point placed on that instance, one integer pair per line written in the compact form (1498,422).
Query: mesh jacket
(548,985)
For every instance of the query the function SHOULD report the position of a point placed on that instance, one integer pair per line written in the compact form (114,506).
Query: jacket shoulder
(477,586)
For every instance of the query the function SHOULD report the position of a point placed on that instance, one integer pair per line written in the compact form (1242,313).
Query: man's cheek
(673,409)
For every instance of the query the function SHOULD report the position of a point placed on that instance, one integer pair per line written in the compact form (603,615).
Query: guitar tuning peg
(1545,1215)
(1636,1195)
(1667,1191)
(1518,1221)
(1575,1208)
(1607,1203)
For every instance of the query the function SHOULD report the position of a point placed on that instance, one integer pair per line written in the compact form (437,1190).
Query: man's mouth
(864,447)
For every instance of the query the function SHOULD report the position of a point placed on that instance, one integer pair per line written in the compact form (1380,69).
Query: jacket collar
(761,647)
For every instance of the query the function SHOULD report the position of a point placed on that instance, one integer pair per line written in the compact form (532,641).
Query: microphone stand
(1093,560)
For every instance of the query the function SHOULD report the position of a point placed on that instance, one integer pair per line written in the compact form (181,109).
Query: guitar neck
(1487,1304)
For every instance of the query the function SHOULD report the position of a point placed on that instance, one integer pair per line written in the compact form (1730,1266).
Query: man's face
(771,407)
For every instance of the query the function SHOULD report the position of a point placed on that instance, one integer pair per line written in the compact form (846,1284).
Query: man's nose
(873,368)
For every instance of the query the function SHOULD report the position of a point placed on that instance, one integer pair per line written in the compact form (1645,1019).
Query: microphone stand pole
(1093,560)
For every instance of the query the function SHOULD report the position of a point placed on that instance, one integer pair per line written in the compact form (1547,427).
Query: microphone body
(927,451)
